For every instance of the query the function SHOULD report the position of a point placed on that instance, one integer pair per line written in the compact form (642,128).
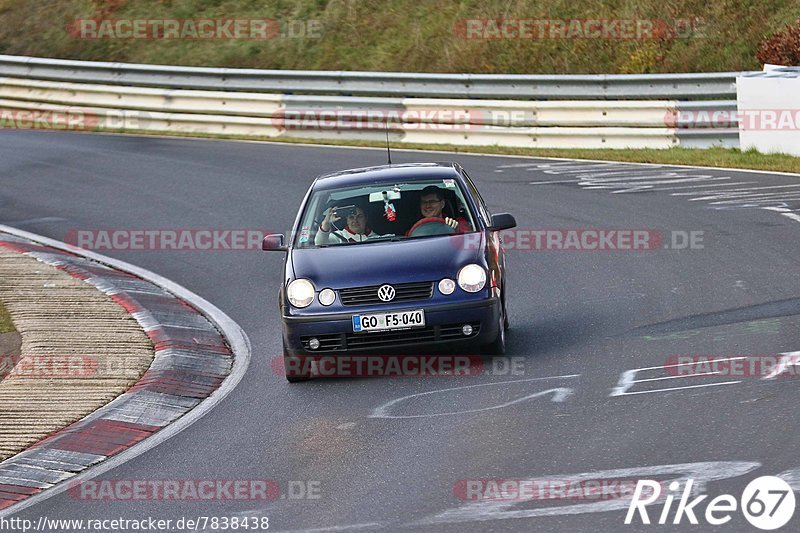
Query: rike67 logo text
(767,503)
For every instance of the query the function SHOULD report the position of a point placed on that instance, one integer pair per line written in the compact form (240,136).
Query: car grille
(388,339)
(404,292)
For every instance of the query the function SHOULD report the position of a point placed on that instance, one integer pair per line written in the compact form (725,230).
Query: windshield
(381,212)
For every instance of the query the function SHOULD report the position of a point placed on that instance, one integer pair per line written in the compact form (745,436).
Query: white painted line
(678,377)
(627,381)
(678,388)
(704,186)
(620,169)
(689,363)
(556,181)
(239,343)
(559,395)
(755,201)
(744,190)
(620,175)
(632,186)
(787,359)
(792,477)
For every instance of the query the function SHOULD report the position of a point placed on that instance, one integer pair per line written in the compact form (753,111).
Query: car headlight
(300,293)
(472,278)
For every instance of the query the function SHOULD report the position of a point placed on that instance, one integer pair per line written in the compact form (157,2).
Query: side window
(485,214)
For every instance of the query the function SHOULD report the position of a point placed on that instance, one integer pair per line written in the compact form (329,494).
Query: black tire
(289,362)
(506,323)
(498,346)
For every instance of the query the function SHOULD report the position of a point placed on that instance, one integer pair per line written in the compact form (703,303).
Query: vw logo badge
(386,293)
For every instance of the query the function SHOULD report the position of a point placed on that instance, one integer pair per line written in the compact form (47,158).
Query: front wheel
(295,367)
(498,346)
(506,323)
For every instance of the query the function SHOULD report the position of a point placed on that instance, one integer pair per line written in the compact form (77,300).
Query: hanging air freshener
(389,211)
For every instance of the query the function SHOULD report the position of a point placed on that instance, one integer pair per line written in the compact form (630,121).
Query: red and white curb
(200,356)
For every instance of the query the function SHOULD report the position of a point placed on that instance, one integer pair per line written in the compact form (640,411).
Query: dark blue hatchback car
(392,258)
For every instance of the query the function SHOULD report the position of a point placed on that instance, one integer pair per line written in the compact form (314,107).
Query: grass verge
(403,35)
(6,326)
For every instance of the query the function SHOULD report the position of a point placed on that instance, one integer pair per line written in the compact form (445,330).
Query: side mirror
(273,243)
(502,221)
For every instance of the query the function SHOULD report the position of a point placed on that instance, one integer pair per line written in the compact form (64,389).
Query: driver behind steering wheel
(431,205)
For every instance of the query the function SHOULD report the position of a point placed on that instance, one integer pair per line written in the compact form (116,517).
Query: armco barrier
(159,99)
(630,113)
(715,85)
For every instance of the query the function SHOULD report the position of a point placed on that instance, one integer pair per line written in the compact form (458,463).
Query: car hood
(358,265)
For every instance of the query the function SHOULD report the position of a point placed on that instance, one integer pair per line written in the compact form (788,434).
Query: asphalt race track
(588,326)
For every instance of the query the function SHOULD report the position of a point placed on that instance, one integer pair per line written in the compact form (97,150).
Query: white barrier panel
(120,97)
(511,113)
(769,114)
(622,113)
(32,115)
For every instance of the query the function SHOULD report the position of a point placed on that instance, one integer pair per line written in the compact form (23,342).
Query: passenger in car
(356,229)
(432,204)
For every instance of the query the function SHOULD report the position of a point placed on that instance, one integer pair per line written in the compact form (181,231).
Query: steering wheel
(430,226)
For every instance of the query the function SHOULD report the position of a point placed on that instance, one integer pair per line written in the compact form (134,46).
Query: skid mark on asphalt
(719,192)
(558,394)
(760,327)
(749,314)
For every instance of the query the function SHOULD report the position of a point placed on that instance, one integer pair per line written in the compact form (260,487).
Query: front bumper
(443,323)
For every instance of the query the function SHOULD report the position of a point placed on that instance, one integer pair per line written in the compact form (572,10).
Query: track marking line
(559,395)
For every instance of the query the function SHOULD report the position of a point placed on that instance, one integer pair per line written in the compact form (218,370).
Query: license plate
(389,321)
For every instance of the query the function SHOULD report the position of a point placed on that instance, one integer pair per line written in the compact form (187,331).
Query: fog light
(313,342)
(466,329)
(326,296)
(447,286)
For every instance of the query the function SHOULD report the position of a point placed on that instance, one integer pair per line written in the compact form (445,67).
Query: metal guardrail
(512,113)
(574,111)
(703,86)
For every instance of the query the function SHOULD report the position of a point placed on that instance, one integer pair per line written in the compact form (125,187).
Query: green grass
(412,35)
(6,326)
(709,157)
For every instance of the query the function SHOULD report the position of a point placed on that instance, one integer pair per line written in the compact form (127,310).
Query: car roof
(387,173)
